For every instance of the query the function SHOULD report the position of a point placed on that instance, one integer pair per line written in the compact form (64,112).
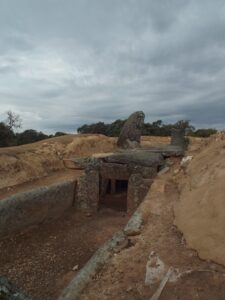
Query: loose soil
(200,213)
(29,162)
(124,276)
(41,261)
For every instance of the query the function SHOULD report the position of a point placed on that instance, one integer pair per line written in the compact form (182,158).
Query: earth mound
(29,162)
(200,213)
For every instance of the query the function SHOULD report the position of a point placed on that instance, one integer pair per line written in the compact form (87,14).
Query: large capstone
(130,134)
(137,157)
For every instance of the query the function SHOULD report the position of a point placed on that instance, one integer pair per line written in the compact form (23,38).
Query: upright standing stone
(178,138)
(87,193)
(138,187)
(130,134)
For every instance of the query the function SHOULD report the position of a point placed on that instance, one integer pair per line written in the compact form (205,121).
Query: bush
(58,133)
(203,132)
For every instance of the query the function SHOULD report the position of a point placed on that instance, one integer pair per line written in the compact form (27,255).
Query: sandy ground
(124,276)
(41,261)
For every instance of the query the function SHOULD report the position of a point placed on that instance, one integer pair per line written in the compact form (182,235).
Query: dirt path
(124,276)
(47,180)
(40,262)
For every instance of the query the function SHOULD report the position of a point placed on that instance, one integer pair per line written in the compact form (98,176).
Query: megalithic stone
(178,137)
(130,134)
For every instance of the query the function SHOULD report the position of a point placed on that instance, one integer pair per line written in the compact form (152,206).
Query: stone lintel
(114,171)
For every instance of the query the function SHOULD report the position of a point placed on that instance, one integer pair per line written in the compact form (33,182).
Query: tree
(6,135)
(59,133)
(206,132)
(30,136)
(184,124)
(13,120)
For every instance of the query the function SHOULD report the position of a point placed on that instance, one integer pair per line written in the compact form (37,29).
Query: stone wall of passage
(33,207)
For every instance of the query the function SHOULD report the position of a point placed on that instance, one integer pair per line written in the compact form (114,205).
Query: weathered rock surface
(167,150)
(178,138)
(138,188)
(142,157)
(9,292)
(130,134)
(87,192)
(36,206)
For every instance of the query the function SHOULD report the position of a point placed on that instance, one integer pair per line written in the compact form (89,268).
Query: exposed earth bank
(26,163)
(124,277)
(200,213)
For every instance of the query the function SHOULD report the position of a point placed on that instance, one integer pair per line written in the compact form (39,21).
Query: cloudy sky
(64,63)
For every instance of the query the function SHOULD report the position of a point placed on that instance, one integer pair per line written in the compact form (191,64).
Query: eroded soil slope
(29,162)
(200,213)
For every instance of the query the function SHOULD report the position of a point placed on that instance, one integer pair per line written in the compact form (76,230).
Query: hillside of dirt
(200,213)
(33,161)
(28,162)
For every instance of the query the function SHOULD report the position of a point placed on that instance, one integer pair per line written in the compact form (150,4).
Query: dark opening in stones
(114,195)
(121,186)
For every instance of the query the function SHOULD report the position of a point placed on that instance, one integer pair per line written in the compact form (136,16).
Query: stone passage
(119,181)
(34,207)
(113,194)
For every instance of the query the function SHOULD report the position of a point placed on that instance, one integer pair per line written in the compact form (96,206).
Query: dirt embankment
(124,277)
(200,213)
(28,162)
(33,161)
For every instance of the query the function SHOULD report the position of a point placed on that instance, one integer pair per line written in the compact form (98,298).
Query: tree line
(156,128)
(9,137)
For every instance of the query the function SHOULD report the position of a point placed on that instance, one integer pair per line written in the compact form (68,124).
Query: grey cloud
(63,64)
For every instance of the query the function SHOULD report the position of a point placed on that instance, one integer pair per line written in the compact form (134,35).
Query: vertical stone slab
(137,190)
(81,199)
(93,189)
(87,197)
(130,134)
(178,138)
